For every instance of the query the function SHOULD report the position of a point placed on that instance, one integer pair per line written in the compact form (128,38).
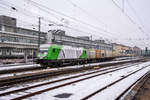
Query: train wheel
(44,66)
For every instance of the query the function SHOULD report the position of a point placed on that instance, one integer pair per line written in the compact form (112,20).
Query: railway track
(46,73)
(88,76)
(135,88)
(30,67)
(143,78)
(17,64)
(113,83)
(19,68)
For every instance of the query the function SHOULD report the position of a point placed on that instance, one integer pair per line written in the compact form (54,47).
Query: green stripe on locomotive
(53,52)
(83,55)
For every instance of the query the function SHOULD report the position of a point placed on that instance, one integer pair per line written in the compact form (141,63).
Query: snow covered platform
(10,69)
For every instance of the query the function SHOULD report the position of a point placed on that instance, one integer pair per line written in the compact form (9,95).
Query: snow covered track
(15,64)
(124,95)
(54,87)
(109,69)
(111,82)
(30,67)
(19,68)
(87,97)
(12,78)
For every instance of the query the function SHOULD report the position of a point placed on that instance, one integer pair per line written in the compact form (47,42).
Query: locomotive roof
(55,45)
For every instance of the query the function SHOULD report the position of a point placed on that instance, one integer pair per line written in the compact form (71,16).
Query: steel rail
(136,82)
(111,84)
(65,84)
(46,83)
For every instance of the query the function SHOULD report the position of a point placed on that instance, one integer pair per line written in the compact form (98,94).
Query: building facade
(63,39)
(122,50)
(18,42)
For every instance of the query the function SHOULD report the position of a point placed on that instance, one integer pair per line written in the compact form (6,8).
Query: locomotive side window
(54,50)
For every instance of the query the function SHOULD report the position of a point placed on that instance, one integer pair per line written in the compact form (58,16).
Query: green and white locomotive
(51,55)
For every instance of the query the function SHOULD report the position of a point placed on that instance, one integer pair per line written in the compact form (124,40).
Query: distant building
(122,50)
(84,37)
(100,41)
(137,51)
(58,31)
(15,40)
(81,41)
(9,21)
(145,52)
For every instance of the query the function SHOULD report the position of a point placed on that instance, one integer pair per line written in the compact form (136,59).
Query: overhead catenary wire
(10,4)
(35,25)
(62,14)
(130,19)
(136,15)
(86,12)
(46,19)
(141,26)
(86,28)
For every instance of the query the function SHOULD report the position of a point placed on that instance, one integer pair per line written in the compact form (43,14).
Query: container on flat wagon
(91,53)
(103,53)
(108,53)
(98,53)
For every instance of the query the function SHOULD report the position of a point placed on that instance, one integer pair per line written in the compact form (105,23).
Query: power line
(62,14)
(123,12)
(142,26)
(134,11)
(17,9)
(48,13)
(86,12)
(33,25)
(131,20)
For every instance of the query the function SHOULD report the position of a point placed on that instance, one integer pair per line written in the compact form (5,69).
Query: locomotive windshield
(43,50)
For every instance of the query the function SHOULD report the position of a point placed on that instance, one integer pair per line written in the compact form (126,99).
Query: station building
(17,42)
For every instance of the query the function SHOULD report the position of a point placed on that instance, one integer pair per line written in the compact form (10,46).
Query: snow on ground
(81,89)
(76,66)
(56,78)
(45,86)
(18,66)
(95,64)
(123,58)
(15,64)
(51,69)
(115,90)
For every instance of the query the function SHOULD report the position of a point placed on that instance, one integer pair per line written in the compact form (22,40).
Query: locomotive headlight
(42,55)
(45,53)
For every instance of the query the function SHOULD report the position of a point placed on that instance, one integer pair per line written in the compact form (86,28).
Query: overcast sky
(129,24)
